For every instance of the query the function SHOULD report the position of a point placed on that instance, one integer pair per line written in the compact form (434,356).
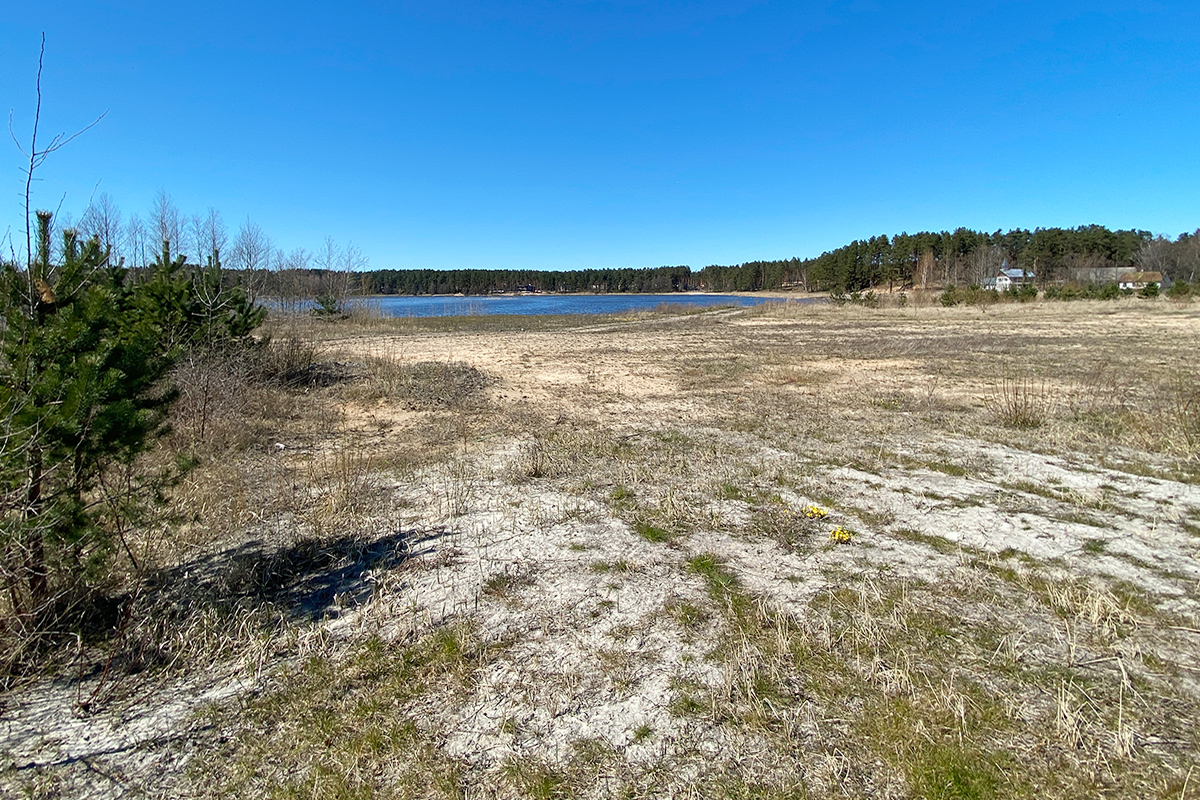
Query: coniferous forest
(1089,254)
(1086,254)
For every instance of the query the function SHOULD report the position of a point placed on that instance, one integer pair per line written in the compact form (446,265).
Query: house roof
(1141,277)
(1016,274)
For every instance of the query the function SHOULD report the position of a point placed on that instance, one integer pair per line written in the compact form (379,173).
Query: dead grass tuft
(425,385)
(1021,403)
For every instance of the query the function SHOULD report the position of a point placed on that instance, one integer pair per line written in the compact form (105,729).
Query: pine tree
(84,359)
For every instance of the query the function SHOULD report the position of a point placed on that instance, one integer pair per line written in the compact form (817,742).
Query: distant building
(1140,280)
(1009,278)
(1093,274)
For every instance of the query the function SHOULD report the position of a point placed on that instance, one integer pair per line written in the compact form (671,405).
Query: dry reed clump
(228,399)
(291,362)
(1018,402)
(1179,415)
(424,385)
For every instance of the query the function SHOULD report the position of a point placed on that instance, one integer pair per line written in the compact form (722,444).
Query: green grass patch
(605,567)
(952,772)
(689,615)
(938,543)
(537,781)
(721,582)
(336,728)
(653,533)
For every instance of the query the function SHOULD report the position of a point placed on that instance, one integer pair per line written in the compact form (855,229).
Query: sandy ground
(568,523)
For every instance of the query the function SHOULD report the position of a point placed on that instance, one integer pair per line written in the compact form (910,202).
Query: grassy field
(782,551)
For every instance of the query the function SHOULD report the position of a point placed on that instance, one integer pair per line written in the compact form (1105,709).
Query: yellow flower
(815,512)
(840,535)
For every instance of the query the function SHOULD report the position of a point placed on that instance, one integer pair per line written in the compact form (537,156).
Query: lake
(526,305)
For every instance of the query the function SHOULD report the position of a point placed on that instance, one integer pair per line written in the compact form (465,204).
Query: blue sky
(563,135)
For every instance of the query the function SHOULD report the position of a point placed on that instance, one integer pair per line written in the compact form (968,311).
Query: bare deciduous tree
(329,256)
(337,266)
(37,154)
(983,263)
(209,235)
(166,222)
(137,242)
(102,219)
(1189,257)
(1155,255)
(251,253)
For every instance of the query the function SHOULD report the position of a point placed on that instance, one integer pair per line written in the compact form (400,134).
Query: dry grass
(569,558)
(1019,403)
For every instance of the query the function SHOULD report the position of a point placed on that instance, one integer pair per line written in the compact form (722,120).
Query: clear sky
(553,134)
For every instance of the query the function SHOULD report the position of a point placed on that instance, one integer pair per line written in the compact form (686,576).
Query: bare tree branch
(38,157)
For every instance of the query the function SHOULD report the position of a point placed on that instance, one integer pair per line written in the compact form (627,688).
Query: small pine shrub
(1180,290)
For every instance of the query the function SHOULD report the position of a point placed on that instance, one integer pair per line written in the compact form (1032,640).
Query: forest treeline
(1085,254)
(929,259)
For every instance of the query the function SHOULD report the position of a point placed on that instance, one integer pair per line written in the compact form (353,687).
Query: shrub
(426,385)
(1025,292)
(329,306)
(1018,403)
(950,297)
(867,299)
(1179,290)
(980,297)
(84,359)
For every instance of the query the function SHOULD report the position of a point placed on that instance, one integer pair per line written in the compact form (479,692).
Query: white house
(1140,280)
(1009,278)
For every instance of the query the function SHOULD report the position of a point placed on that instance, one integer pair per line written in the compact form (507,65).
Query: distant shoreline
(766,293)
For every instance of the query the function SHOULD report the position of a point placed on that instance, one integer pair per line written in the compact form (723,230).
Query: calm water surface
(526,305)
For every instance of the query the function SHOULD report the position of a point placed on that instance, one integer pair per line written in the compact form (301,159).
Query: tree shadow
(311,579)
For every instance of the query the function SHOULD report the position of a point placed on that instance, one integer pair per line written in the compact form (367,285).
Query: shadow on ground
(308,581)
(311,579)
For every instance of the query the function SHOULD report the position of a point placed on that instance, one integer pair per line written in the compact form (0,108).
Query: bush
(426,385)
(1179,290)
(329,306)
(1024,293)
(83,395)
(867,299)
(975,295)
(950,297)
(1018,403)
(1150,290)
